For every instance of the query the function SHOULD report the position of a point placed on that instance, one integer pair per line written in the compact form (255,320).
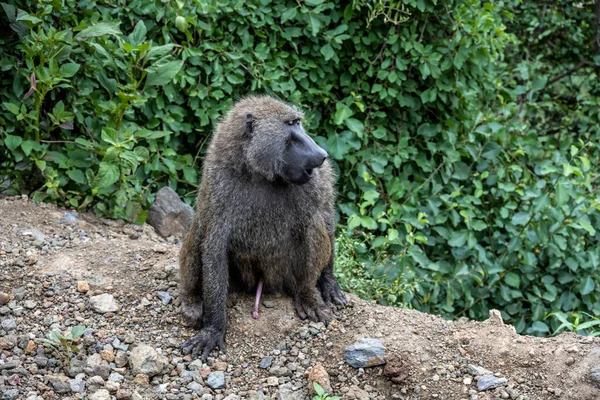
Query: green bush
(434,124)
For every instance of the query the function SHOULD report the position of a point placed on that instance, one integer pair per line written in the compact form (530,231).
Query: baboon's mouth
(309,172)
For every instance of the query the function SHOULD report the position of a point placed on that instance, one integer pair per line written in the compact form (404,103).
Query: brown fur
(251,225)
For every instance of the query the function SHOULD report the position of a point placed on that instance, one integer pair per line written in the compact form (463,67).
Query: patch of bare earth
(45,251)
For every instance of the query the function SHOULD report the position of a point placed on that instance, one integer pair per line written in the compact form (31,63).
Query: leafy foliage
(66,344)
(464,133)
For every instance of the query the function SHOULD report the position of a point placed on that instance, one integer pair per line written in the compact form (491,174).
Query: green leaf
(587,286)
(163,74)
(342,113)
(13,108)
(320,391)
(101,29)
(315,24)
(12,142)
(314,3)
(76,175)
(539,83)
(68,70)
(138,35)
(327,52)
(108,174)
(520,218)
(458,238)
(512,280)
(562,194)
(355,126)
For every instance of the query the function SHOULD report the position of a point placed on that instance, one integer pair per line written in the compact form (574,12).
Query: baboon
(264,216)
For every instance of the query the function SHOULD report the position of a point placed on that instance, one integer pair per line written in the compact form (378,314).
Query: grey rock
(165,297)
(207,396)
(69,216)
(100,394)
(77,385)
(103,303)
(8,324)
(366,352)
(41,361)
(268,304)
(98,366)
(216,380)
(232,397)
(476,370)
(60,384)
(19,293)
(169,215)
(489,381)
(10,394)
(595,374)
(266,362)
(145,360)
(196,388)
(287,392)
(195,365)
(116,377)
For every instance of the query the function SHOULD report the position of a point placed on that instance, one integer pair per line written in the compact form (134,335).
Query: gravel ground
(60,270)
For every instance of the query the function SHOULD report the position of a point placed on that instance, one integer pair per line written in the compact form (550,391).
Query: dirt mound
(45,251)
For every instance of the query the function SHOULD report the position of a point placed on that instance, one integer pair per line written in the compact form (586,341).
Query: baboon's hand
(205,340)
(313,309)
(331,292)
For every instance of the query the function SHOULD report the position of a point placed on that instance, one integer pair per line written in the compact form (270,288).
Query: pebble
(196,388)
(319,375)
(83,287)
(100,394)
(103,303)
(145,360)
(266,362)
(216,380)
(8,324)
(488,382)
(165,297)
(476,370)
(4,298)
(366,352)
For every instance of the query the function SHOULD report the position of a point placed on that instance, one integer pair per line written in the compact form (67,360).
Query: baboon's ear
(248,124)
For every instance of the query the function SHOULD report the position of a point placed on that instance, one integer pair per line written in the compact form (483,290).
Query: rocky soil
(60,270)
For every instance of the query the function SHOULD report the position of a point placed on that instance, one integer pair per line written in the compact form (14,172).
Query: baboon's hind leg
(190,283)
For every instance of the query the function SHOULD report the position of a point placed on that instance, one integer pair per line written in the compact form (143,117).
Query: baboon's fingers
(300,309)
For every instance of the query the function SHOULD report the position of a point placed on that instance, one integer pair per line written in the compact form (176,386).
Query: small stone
(8,324)
(123,395)
(366,352)
(142,379)
(30,348)
(357,393)
(595,374)
(98,366)
(196,388)
(10,394)
(145,360)
(266,362)
(69,216)
(83,286)
(4,298)
(468,381)
(268,303)
(107,355)
(216,380)
(100,394)
(272,381)
(319,375)
(104,303)
(487,382)
(77,385)
(476,370)
(165,297)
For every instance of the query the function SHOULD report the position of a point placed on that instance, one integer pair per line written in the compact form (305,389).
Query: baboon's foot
(331,292)
(205,341)
(192,313)
(311,307)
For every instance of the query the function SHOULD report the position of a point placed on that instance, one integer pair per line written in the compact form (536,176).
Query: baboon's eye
(293,122)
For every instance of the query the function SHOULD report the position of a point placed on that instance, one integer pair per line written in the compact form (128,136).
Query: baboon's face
(301,156)
(280,148)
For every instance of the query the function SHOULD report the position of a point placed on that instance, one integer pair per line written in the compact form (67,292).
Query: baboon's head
(276,145)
